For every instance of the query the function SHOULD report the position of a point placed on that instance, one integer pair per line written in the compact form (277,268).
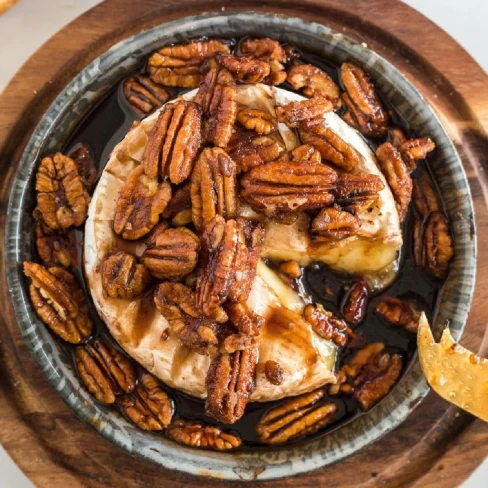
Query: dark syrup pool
(107,123)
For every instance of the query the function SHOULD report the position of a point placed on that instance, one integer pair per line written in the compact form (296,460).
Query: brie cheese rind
(306,358)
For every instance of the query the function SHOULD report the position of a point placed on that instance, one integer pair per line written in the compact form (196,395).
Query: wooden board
(438,444)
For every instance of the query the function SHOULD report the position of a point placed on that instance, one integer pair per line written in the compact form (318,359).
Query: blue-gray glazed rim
(68,109)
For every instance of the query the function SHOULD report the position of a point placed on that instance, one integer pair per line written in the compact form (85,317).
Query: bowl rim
(275,464)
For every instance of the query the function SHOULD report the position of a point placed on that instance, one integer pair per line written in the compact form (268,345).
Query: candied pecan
(184,77)
(417,243)
(157,230)
(218,98)
(257,120)
(143,94)
(273,372)
(306,152)
(277,74)
(173,255)
(263,48)
(201,435)
(243,319)
(326,324)
(174,142)
(365,107)
(244,68)
(396,136)
(355,303)
(59,302)
(176,302)
(293,113)
(282,187)
(331,146)
(62,199)
(438,246)
(55,248)
(85,163)
(230,383)
(315,83)
(122,276)
(291,269)
(397,175)
(140,204)
(180,201)
(213,187)
(184,217)
(424,196)
(296,417)
(239,342)
(357,191)
(415,149)
(104,370)
(399,313)
(335,224)
(149,407)
(268,148)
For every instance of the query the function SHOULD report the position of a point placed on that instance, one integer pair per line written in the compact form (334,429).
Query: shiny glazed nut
(357,191)
(122,276)
(415,149)
(291,269)
(263,48)
(243,68)
(364,106)
(335,224)
(243,319)
(148,407)
(306,152)
(141,202)
(173,255)
(396,136)
(59,302)
(104,370)
(355,303)
(438,247)
(277,74)
(296,417)
(217,97)
(143,94)
(201,435)
(326,324)
(293,113)
(399,313)
(55,248)
(184,77)
(283,187)
(332,148)
(257,120)
(62,199)
(397,175)
(315,83)
(174,142)
(213,187)
(230,383)
(239,342)
(157,230)
(273,372)
(425,197)
(180,201)
(85,163)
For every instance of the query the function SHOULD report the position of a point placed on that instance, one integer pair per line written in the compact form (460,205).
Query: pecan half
(180,204)
(335,224)
(306,152)
(397,175)
(296,417)
(62,199)
(243,319)
(213,187)
(229,383)
(122,276)
(326,324)
(200,435)
(239,342)
(174,142)
(157,230)
(244,68)
(55,248)
(257,120)
(104,370)
(355,302)
(273,372)
(173,255)
(141,202)
(396,136)
(364,106)
(315,83)
(293,113)
(183,77)
(59,302)
(357,191)
(424,196)
(291,269)
(143,95)
(85,163)
(217,97)
(149,407)
(399,313)
(331,146)
(282,187)
(438,247)
(176,302)
(415,149)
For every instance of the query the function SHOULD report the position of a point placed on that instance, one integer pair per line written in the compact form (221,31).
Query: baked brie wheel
(306,358)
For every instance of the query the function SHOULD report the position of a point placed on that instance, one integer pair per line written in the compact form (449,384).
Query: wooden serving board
(438,444)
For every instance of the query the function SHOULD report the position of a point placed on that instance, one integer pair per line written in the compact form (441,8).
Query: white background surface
(30,23)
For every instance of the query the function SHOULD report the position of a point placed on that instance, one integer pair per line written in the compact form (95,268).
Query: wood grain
(438,445)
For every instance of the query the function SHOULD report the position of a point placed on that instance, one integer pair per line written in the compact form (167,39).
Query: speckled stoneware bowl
(66,112)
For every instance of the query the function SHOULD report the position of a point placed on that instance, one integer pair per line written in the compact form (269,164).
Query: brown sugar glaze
(107,123)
